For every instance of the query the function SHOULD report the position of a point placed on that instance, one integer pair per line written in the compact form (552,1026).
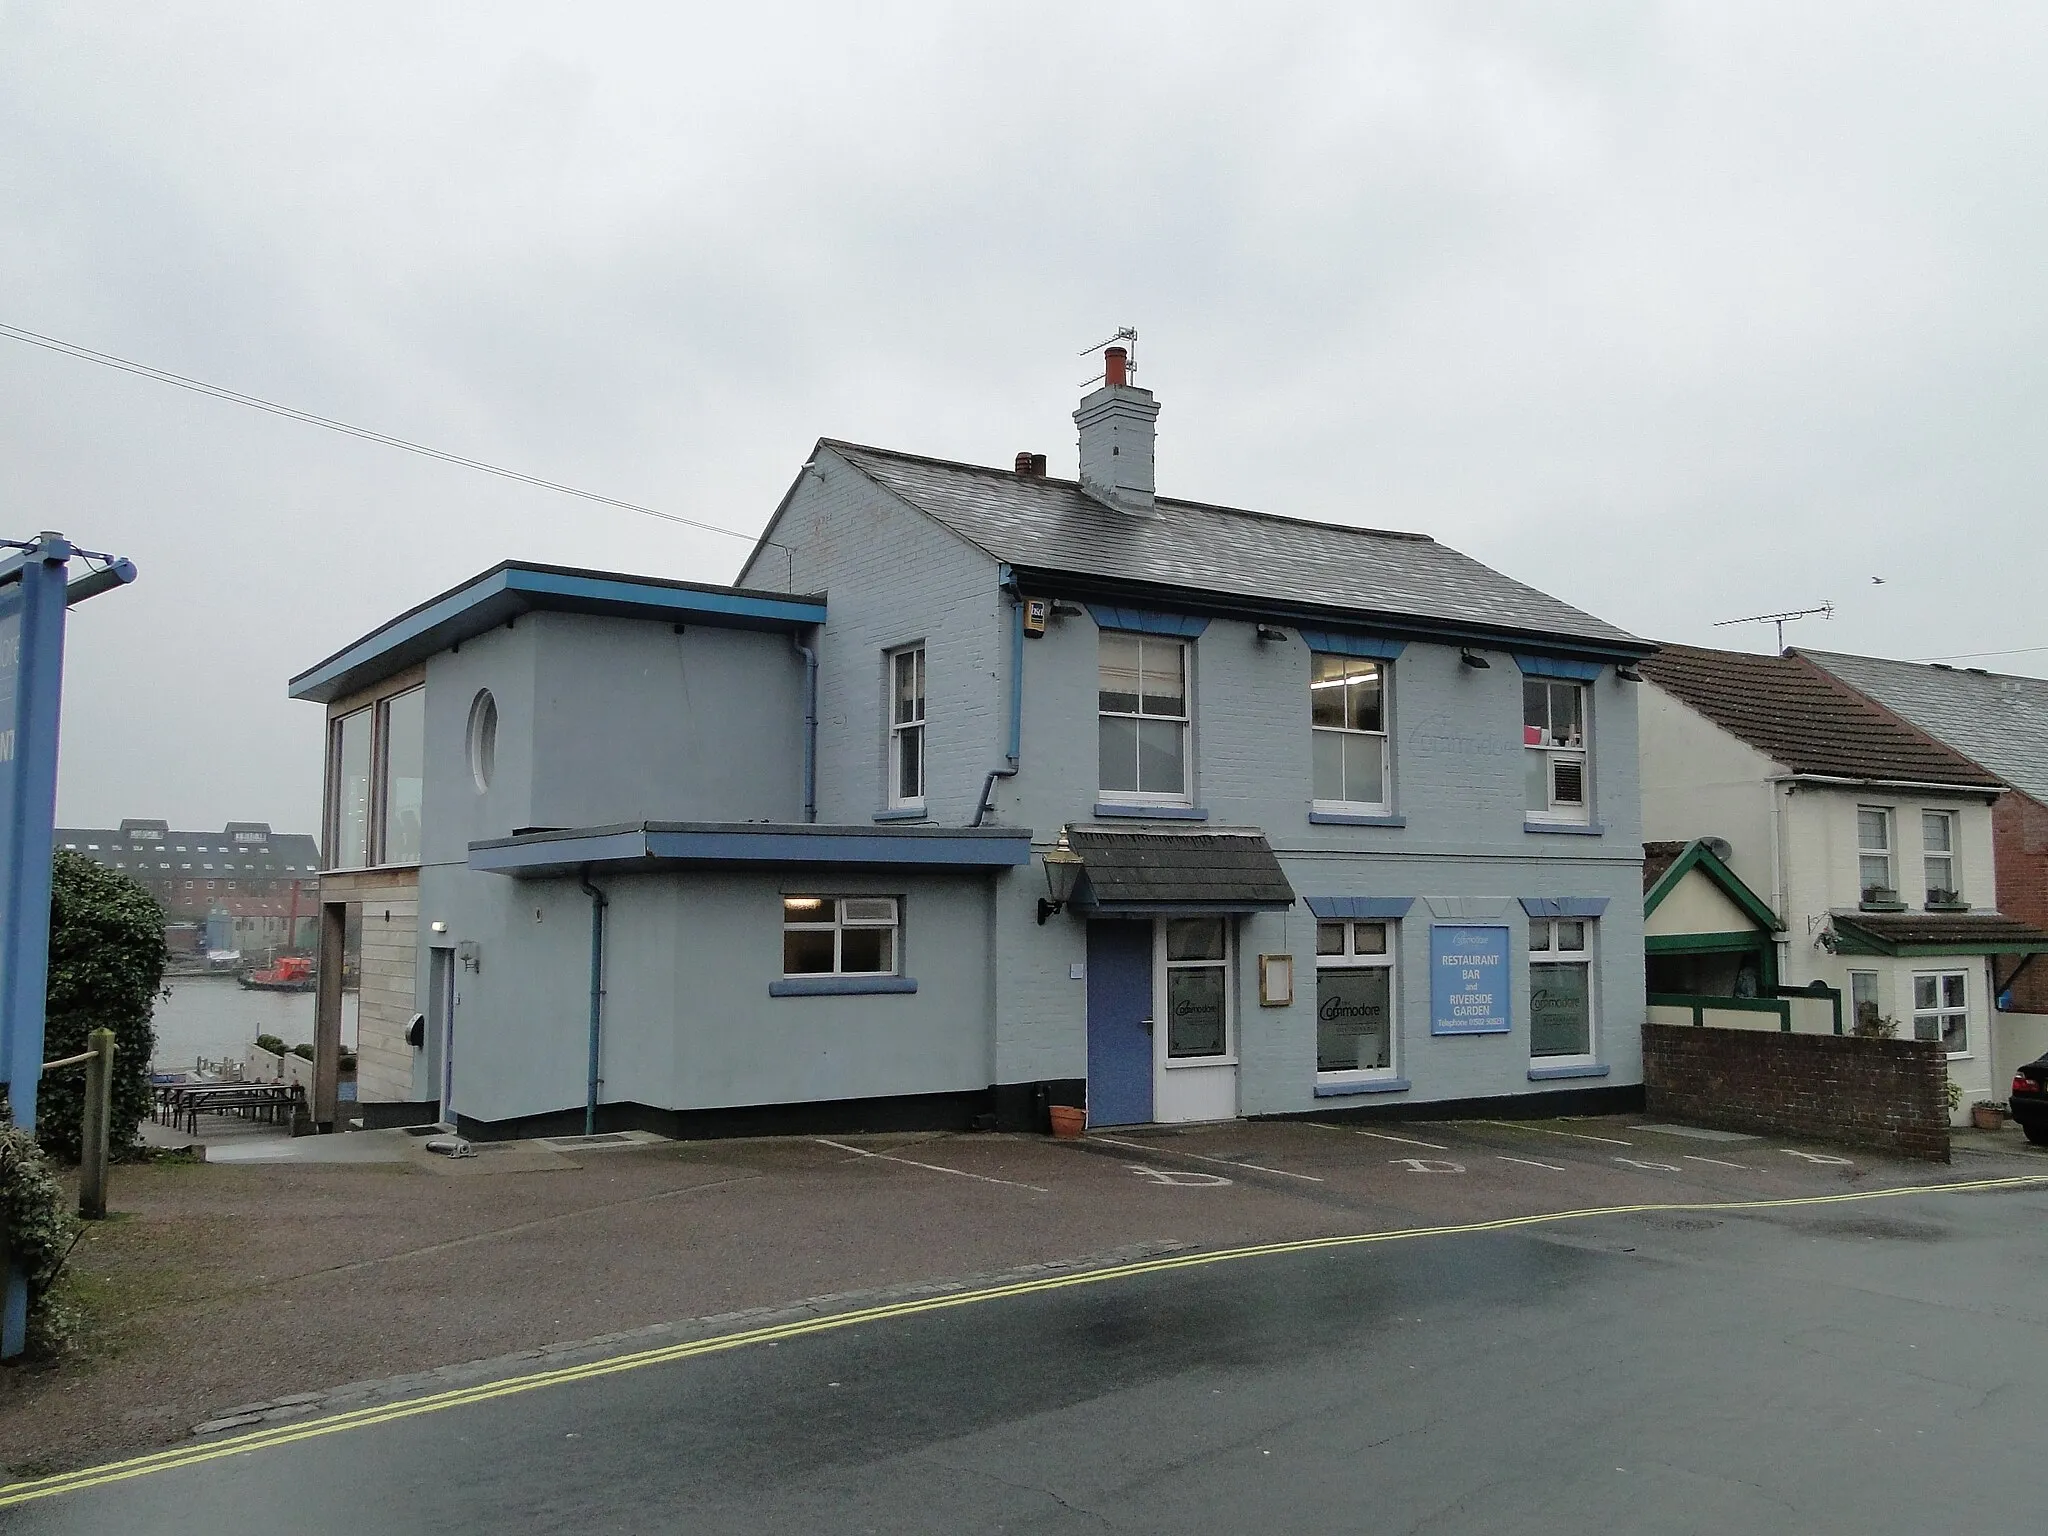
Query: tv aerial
(1825,610)
(1127,333)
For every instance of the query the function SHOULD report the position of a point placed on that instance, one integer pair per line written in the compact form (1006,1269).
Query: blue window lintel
(1564,906)
(1393,908)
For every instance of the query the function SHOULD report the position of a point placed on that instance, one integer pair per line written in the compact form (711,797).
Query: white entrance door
(1194,1043)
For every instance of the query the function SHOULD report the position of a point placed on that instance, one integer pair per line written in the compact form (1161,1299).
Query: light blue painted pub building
(985,790)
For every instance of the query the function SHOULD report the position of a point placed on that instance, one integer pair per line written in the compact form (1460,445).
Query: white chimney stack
(1117,436)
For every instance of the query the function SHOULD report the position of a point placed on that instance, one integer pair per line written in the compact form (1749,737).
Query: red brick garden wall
(1890,1095)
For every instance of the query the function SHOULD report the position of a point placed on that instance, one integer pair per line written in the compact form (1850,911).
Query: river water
(213,1017)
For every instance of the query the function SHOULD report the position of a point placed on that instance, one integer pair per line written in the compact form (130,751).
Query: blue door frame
(1119,1020)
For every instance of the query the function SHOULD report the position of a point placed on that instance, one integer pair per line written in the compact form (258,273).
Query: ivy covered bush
(40,1230)
(106,969)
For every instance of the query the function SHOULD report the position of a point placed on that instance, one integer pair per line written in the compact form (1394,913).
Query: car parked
(2030,1100)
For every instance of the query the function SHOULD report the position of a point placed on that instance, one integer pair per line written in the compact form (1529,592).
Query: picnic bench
(183,1103)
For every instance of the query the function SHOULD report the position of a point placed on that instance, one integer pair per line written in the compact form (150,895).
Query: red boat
(292,973)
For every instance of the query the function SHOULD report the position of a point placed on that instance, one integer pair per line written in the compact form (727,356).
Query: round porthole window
(483,738)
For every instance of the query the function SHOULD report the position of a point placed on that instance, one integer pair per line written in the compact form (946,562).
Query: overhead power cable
(256,403)
(2024,650)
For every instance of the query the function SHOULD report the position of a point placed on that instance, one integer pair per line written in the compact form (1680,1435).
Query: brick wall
(2019,836)
(1885,1094)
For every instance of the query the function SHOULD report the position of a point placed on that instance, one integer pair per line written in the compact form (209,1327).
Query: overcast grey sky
(1681,312)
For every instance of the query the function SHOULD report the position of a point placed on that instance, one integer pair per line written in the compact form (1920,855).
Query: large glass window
(349,844)
(840,935)
(1347,705)
(906,727)
(1560,989)
(1354,999)
(1143,726)
(404,777)
(1197,991)
(1938,852)
(1874,854)
(1941,1009)
(1554,736)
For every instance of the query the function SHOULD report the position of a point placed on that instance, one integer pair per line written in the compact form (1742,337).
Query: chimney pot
(1031,464)
(1114,363)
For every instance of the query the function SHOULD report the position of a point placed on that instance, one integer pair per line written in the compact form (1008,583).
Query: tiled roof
(1043,524)
(1214,869)
(1658,857)
(1796,714)
(1990,933)
(2000,722)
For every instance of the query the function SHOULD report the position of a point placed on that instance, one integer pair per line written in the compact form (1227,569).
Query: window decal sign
(1468,979)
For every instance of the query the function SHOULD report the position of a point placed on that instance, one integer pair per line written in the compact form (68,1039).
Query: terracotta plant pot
(1067,1120)
(1987,1117)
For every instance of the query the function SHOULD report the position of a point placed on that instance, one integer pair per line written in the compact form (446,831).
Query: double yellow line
(362,1418)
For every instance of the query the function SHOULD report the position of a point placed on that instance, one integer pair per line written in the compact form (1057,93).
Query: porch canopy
(1142,874)
(1935,933)
(651,846)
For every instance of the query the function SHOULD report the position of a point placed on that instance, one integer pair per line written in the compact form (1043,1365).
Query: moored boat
(291,973)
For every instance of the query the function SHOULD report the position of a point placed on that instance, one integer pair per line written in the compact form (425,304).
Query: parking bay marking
(1225,1162)
(1693,1157)
(910,1162)
(1510,1125)
(199,1452)
(1530,1162)
(1178,1178)
(1658,1167)
(1406,1141)
(1428,1164)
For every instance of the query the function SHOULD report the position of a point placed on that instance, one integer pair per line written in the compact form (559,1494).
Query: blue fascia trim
(1146,621)
(1337,642)
(1155,812)
(1565,828)
(904,813)
(1557,666)
(1351,1090)
(1552,1074)
(510,590)
(1345,819)
(1392,908)
(1564,906)
(838,986)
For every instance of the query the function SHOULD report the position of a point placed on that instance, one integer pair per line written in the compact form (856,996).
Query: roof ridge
(1921,666)
(1885,712)
(1404,534)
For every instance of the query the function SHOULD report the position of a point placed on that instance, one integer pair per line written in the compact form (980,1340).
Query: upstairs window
(1347,706)
(404,776)
(1554,738)
(906,727)
(1874,856)
(840,935)
(350,774)
(1938,855)
(1143,719)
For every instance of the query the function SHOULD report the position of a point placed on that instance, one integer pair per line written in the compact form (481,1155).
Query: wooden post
(327,1017)
(96,1126)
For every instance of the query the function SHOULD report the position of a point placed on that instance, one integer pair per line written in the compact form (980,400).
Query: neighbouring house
(243,888)
(1873,840)
(985,790)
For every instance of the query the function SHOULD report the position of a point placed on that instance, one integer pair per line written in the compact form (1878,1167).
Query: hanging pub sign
(1468,979)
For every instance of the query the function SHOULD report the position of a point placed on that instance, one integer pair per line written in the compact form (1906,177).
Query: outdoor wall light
(1628,674)
(1272,632)
(1062,870)
(440,927)
(1474,660)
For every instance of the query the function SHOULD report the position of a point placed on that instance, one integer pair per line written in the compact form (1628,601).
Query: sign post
(35,590)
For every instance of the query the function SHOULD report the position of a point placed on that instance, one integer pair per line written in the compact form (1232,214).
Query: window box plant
(1881,898)
(1939,900)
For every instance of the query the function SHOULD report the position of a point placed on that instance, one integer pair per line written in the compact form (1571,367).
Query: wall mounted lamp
(1062,871)
(1628,674)
(1474,660)
(440,927)
(1272,632)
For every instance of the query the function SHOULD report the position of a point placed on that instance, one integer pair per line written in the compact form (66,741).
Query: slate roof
(1042,524)
(1217,870)
(1795,713)
(244,850)
(1989,933)
(1658,857)
(2001,722)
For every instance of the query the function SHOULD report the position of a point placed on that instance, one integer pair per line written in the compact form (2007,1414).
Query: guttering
(1842,781)
(1013,758)
(810,657)
(598,902)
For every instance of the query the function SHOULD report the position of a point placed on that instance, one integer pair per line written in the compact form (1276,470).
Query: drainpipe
(1014,757)
(810,657)
(598,902)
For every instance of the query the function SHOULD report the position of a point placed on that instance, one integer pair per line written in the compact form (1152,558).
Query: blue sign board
(34,593)
(1468,979)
